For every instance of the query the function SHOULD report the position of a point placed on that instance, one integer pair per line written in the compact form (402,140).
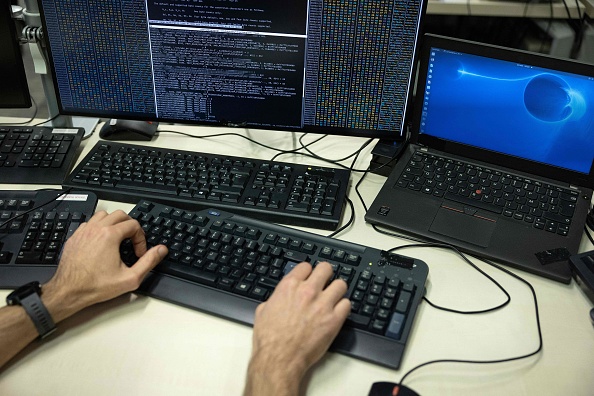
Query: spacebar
(473,202)
(154,188)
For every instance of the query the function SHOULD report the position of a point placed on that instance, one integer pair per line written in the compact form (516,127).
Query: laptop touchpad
(468,227)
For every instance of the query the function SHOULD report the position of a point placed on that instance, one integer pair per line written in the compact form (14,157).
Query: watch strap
(39,314)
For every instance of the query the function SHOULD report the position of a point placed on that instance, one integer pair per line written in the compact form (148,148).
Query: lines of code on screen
(294,64)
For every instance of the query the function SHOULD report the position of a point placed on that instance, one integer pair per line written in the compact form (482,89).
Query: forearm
(16,327)
(16,332)
(266,377)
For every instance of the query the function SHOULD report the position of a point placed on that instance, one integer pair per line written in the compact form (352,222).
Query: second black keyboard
(227,264)
(37,155)
(34,226)
(279,192)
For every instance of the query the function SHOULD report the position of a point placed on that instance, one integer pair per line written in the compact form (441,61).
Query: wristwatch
(28,296)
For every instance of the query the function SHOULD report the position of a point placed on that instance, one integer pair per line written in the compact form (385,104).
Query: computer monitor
(340,67)
(14,91)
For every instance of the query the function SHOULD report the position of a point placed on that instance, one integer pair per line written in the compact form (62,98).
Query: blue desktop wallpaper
(532,113)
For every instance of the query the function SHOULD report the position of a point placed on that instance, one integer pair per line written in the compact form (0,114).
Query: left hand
(91,269)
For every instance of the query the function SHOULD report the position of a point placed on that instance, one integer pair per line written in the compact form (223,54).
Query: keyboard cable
(494,361)
(61,194)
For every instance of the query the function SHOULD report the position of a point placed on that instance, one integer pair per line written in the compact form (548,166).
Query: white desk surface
(138,345)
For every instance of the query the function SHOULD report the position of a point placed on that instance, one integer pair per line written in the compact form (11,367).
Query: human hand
(294,329)
(91,270)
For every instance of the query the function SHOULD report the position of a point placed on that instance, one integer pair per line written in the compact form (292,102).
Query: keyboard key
(396,326)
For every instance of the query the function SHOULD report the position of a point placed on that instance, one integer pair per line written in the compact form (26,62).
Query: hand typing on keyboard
(294,328)
(90,271)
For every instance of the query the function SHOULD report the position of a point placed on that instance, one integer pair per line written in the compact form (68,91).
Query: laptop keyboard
(546,207)
(37,155)
(226,264)
(33,229)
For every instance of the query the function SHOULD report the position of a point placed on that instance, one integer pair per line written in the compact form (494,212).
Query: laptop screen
(511,108)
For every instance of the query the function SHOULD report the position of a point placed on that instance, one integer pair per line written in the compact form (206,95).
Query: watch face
(16,296)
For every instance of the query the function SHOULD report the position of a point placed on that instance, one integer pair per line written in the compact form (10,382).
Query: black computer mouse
(116,129)
(390,389)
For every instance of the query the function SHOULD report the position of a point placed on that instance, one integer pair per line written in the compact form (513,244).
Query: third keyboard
(280,192)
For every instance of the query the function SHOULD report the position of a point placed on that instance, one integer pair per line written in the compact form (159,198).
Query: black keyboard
(278,192)
(226,264)
(542,205)
(30,245)
(37,155)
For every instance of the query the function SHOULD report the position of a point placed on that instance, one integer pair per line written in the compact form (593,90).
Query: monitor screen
(338,67)
(526,111)
(14,92)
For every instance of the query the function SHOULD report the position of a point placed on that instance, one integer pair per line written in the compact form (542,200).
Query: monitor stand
(62,121)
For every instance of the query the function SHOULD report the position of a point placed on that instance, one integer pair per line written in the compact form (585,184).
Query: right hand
(295,327)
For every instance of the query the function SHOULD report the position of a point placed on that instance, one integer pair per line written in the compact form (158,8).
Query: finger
(131,229)
(114,218)
(321,275)
(301,271)
(149,260)
(342,309)
(98,216)
(334,292)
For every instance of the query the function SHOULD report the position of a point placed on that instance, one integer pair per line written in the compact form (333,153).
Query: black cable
(48,120)
(470,312)
(579,11)
(355,154)
(299,148)
(461,255)
(358,193)
(577,44)
(567,10)
(62,193)
(243,137)
(527,355)
(219,135)
(402,236)
(589,225)
(331,161)
(548,30)
(315,156)
(589,236)
(351,219)
(352,216)
(527,2)
(35,110)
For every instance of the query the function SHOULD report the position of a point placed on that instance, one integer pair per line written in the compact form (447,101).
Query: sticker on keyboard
(65,130)
(73,197)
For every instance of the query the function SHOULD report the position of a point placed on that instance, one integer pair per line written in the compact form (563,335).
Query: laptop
(500,161)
